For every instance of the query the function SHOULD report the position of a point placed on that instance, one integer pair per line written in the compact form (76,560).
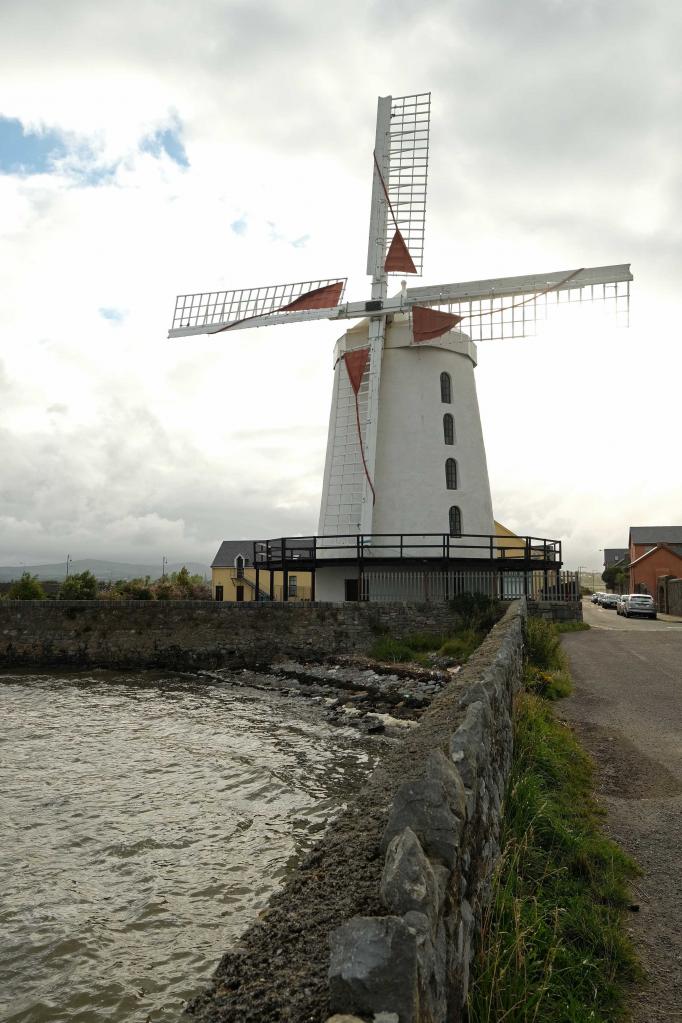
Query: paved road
(627,709)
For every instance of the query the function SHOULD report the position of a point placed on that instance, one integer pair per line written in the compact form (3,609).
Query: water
(144,820)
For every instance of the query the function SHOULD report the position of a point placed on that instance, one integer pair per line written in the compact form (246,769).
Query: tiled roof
(665,547)
(612,555)
(228,551)
(655,534)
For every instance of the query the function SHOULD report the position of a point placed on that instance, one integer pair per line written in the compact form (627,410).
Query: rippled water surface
(145,820)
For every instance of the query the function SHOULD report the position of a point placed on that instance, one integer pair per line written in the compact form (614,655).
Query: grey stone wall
(379,922)
(556,610)
(675,596)
(184,635)
(440,844)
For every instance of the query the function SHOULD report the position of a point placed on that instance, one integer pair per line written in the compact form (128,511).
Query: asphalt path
(627,710)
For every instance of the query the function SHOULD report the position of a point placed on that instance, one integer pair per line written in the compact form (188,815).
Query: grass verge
(553,948)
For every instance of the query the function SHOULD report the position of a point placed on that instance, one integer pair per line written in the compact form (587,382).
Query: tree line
(84,586)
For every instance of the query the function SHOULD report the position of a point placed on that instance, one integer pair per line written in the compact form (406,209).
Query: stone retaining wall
(185,635)
(380,921)
(556,610)
(675,596)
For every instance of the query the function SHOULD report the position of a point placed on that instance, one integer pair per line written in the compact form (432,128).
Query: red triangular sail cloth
(318,298)
(428,324)
(398,257)
(355,365)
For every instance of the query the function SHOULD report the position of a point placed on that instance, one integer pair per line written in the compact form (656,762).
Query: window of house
(240,593)
(451,474)
(448,429)
(455,521)
(293,586)
(219,593)
(445,388)
(239,566)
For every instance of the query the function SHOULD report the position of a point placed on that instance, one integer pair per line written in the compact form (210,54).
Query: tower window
(448,429)
(451,474)
(445,388)
(455,521)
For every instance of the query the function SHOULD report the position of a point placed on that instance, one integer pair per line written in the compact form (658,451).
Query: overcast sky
(162,146)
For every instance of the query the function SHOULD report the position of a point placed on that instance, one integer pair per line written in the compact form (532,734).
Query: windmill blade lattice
(219,310)
(408,149)
(506,308)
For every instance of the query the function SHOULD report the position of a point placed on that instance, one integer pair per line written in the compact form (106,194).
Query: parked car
(594,598)
(610,600)
(621,603)
(639,604)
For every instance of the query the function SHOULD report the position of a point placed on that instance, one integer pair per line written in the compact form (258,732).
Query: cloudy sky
(162,146)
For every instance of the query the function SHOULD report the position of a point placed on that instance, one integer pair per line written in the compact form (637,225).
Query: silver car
(610,600)
(639,604)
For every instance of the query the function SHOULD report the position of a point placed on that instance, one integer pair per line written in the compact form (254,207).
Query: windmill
(405,451)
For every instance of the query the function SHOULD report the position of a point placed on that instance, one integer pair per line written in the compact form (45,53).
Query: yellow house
(233,577)
(509,544)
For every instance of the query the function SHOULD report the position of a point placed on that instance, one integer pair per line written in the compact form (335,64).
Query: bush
(476,611)
(462,645)
(392,650)
(543,645)
(26,588)
(81,586)
(552,685)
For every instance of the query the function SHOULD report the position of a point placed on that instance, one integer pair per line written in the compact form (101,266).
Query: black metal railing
(403,546)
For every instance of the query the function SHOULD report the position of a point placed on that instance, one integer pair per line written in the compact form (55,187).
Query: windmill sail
(210,312)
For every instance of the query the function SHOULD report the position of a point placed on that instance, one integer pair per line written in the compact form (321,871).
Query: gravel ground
(627,710)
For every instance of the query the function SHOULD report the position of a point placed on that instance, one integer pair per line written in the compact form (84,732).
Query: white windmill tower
(405,466)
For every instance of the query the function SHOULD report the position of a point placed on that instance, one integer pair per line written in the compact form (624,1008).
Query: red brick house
(655,553)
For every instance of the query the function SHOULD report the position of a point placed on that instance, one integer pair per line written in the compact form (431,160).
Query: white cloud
(554,146)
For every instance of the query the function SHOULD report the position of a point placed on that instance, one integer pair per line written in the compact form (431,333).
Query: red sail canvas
(398,258)
(428,324)
(355,365)
(318,298)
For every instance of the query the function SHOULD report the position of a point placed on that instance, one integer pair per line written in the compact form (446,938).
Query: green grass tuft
(553,946)
(571,626)
(543,645)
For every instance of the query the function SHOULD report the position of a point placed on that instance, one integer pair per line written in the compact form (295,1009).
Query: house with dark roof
(236,575)
(614,556)
(655,556)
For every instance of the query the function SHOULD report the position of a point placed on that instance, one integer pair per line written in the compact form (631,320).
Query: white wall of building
(410,483)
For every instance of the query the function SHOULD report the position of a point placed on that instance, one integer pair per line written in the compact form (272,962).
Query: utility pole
(69,559)
(164,562)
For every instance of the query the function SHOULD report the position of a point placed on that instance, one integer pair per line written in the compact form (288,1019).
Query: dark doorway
(352,590)
(219,593)
(240,592)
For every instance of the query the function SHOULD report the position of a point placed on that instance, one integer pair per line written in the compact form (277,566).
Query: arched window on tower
(455,521)
(451,474)
(445,389)
(448,429)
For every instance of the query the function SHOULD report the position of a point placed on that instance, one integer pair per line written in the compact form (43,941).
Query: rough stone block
(424,806)
(408,882)
(373,968)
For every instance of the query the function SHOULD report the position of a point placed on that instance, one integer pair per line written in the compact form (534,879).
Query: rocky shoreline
(376,698)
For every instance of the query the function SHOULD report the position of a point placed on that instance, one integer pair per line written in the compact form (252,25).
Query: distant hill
(106,570)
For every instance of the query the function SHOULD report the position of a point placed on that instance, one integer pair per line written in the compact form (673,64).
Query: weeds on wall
(475,615)
(553,948)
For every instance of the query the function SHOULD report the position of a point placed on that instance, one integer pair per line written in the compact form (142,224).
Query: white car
(639,604)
